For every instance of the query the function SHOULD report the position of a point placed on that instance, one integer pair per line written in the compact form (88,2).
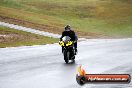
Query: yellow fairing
(69,43)
(61,43)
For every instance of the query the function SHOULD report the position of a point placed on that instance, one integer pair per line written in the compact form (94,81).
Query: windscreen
(66,39)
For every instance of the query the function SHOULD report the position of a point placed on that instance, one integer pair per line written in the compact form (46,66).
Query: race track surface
(43,66)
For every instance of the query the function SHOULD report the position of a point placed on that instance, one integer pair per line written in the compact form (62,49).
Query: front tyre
(66,56)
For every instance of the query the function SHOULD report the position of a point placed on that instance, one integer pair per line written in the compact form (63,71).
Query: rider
(71,34)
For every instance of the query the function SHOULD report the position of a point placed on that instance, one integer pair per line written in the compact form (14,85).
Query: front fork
(71,52)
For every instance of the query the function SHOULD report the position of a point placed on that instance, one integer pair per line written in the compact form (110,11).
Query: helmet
(67,27)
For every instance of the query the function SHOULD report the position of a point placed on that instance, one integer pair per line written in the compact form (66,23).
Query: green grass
(21,38)
(108,17)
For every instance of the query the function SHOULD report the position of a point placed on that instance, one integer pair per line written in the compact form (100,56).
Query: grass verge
(12,38)
(106,17)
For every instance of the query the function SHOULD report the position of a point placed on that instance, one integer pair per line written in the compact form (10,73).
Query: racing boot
(75,51)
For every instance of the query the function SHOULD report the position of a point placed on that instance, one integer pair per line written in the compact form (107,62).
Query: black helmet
(67,27)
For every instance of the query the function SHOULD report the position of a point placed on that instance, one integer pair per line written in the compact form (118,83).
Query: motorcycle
(68,49)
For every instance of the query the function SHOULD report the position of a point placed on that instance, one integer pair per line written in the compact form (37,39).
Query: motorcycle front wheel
(66,56)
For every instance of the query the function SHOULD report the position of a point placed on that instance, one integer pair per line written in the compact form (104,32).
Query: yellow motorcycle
(68,49)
